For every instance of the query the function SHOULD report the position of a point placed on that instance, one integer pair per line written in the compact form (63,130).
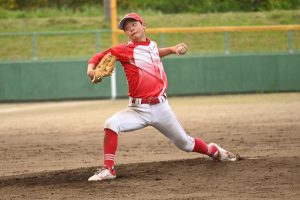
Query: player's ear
(144,26)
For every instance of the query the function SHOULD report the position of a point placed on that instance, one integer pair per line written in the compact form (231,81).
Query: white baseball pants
(160,116)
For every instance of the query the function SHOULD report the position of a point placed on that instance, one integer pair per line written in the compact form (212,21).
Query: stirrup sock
(200,146)
(110,147)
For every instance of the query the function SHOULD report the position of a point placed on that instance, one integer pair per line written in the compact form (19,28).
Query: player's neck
(141,39)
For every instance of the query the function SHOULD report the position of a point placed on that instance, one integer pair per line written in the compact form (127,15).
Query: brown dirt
(48,150)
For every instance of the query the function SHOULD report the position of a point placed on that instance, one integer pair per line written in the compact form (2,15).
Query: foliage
(206,6)
(165,6)
(35,4)
(55,37)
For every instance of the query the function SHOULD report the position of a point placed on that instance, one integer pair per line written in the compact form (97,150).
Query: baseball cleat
(219,154)
(103,174)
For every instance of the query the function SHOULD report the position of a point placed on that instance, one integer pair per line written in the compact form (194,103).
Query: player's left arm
(178,49)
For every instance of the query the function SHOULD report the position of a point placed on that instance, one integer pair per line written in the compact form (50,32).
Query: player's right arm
(177,49)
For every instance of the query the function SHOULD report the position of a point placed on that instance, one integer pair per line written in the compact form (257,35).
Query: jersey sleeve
(95,59)
(117,51)
(120,52)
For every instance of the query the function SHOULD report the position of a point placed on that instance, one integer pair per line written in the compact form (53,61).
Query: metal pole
(98,41)
(226,42)
(113,7)
(291,41)
(34,46)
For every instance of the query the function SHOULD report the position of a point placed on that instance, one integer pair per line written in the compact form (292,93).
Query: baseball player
(148,103)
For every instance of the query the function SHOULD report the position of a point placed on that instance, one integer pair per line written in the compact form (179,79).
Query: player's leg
(168,125)
(124,121)
(110,145)
(127,120)
(132,118)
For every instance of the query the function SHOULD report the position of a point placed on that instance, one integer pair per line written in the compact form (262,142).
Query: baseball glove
(104,68)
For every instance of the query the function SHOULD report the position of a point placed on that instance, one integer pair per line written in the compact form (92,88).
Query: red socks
(111,144)
(200,146)
(110,147)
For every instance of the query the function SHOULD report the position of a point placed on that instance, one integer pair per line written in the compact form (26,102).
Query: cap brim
(122,22)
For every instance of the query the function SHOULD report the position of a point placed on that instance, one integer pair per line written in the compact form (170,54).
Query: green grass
(86,11)
(53,46)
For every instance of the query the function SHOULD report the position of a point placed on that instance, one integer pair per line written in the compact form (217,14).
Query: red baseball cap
(130,16)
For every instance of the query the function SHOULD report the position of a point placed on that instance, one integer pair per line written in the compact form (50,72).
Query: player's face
(135,30)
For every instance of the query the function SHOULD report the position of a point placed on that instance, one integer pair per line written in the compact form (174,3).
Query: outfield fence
(187,75)
(201,40)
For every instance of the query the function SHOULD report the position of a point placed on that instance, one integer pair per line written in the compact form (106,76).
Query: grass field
(49,46)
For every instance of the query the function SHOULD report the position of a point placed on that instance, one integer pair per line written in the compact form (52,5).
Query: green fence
(234,74)
(48,80)
(187,75)
(81,44)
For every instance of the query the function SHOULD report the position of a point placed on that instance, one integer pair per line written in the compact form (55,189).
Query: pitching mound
(258,178)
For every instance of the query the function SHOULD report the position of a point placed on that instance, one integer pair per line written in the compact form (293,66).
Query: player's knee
(112,124)
(184,145)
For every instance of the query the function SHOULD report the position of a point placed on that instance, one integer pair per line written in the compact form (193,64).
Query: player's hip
(134,102)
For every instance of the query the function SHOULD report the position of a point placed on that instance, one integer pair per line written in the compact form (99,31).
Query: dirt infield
(48,150)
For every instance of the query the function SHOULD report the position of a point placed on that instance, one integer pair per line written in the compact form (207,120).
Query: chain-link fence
(83,44)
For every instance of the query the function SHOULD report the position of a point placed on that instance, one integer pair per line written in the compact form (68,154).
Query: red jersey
(142,65)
